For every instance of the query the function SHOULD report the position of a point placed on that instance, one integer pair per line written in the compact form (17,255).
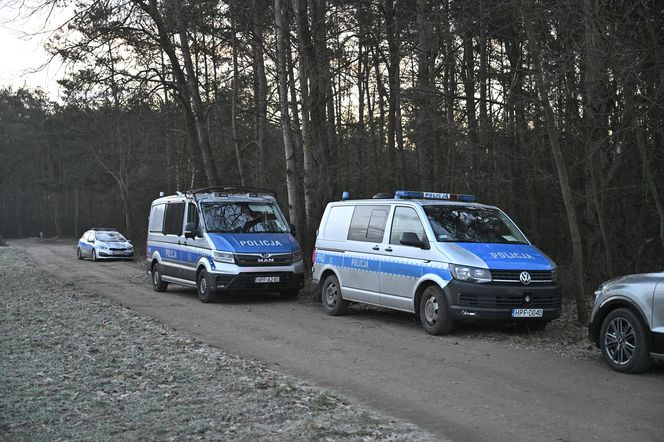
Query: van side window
(173,219)
(157,218)
(192,214)
(368,223)
(406,220)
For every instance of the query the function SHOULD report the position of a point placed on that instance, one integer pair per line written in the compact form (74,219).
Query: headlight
(223,257)
(470,274)
(297,255)
(600,291)
(102,246)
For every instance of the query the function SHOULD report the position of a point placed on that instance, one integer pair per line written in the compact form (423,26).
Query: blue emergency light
(409,194)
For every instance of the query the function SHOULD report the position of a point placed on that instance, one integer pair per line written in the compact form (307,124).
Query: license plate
(527,312)
(263,279)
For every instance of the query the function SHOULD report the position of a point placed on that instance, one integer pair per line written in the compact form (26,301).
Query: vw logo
(524,277)
(265,255)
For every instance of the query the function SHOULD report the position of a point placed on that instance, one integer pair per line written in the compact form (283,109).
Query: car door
(194,247)
(172,249)
(361,261)
(89,243)
(401,265)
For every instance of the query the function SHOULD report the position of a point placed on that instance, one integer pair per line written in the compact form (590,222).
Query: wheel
(333,303)
(624,342)
(204,287)
(157,283)
(78,253)
(94,255)
(434,317)
(289,294)
(533,325)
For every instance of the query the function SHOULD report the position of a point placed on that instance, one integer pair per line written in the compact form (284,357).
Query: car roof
(414,202)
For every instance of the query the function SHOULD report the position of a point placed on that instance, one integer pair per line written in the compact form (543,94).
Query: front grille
(120,250)
(513,275)
(259,260)
(508,301)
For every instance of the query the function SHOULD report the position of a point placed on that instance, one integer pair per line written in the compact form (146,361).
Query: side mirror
(129,241)
(411,239)
(293,230)
(191,231)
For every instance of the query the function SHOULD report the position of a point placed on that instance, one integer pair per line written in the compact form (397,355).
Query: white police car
(221,239)
(434,254)
(104,243)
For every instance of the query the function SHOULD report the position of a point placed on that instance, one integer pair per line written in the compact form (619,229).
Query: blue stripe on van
(177,256)
(378,265)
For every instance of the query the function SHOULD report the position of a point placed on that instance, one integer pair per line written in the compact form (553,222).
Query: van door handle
(375,248)
(388,249)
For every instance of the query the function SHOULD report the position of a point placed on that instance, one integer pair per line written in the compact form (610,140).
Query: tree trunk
(561,167)
(260,91)
(236,87)
(596,120)
(291,172)
(304,41)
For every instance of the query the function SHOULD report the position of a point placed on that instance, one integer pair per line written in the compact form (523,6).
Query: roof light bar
(410,194)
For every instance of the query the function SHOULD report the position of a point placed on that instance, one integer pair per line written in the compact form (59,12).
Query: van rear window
(157,218)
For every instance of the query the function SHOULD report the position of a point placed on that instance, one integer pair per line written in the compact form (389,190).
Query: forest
(550,110)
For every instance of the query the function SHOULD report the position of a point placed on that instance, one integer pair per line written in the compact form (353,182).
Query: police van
(441,256)
(222,239)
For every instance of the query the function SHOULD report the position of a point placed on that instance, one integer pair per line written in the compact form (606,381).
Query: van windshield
(243,217)
(472,224)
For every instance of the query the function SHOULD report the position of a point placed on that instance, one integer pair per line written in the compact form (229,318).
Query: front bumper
(287,281)
(115,255)
(495,301)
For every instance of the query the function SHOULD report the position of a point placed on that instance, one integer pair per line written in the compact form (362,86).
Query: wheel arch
(608,307)
(327,272)
(420,288)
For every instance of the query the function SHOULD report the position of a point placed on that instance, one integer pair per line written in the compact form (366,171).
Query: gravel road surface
(488,383)
(76,366)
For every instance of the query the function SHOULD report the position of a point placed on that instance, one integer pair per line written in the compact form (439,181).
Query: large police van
(438,255)
(223,239)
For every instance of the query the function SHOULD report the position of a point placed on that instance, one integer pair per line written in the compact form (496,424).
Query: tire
(624,342)
(78,253)
(204,287)
(93,255)
(332,301)
(158,284)
(434,316)
(289,294)
(533,325)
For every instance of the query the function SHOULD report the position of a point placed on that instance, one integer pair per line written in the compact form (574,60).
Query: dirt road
(460,387)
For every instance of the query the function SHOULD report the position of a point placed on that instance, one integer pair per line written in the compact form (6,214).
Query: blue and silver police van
(222,239)
(441,256)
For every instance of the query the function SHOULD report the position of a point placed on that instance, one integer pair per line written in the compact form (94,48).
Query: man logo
(524,277)
(265,255)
